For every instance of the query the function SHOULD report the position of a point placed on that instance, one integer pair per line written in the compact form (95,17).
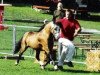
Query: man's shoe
(70,64)
(60,68)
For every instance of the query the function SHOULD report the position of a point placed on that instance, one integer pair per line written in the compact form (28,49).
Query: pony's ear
(45,21)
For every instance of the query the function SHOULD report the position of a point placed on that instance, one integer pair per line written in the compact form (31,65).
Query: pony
(41,41)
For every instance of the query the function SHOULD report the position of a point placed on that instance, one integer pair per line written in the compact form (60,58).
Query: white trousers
(67,51)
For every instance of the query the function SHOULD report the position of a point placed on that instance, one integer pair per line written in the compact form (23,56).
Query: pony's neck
(47,30)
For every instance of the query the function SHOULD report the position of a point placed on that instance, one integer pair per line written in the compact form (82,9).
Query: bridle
(54,29)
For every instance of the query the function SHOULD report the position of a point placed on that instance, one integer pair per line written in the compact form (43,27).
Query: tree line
(92,4)
(19,1)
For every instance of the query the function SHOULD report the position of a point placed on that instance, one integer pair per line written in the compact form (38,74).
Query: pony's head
(55,29)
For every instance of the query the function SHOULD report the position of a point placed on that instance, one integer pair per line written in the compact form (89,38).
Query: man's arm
(77,31)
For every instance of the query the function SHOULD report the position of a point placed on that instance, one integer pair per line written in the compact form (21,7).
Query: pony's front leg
(46,49)
(47,53)
(43,59)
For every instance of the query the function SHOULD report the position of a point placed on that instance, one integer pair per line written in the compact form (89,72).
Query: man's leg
(63,55)
(59,50)
(71,50)
(69,56)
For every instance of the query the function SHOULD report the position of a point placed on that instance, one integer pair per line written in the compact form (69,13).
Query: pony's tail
(17,46)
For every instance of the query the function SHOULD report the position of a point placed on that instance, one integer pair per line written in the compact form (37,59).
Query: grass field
(28,67)
(25,16)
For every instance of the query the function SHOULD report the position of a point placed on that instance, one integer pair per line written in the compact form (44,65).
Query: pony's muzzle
(42,65)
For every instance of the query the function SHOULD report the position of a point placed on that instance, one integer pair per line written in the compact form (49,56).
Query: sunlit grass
(28,67)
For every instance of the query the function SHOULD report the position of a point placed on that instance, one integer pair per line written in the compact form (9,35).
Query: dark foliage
(19,2)
(93,5)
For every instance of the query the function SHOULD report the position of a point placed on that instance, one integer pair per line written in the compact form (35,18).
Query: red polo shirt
(68,27)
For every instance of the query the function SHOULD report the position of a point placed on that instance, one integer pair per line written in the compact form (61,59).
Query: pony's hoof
(55,67)
(42,67)
(16,63)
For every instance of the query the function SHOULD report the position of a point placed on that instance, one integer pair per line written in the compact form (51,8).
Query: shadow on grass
(73,71)
(78,71)
(94,18)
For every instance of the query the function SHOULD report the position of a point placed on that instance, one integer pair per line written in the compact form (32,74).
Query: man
(59,12)
(69,29)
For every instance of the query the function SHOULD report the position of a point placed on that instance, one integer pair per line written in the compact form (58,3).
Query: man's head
(69,14)
(59,6)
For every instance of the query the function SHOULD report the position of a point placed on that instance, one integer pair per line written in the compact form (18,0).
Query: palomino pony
(41,41)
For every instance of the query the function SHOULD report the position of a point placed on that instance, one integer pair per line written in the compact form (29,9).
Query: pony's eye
(55,28)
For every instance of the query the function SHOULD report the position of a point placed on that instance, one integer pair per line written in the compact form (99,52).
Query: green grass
(90,24)
(20,13)
(28,67)
(14,16)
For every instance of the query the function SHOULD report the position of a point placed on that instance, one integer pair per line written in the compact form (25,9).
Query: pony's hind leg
(18,59)
(20,55)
